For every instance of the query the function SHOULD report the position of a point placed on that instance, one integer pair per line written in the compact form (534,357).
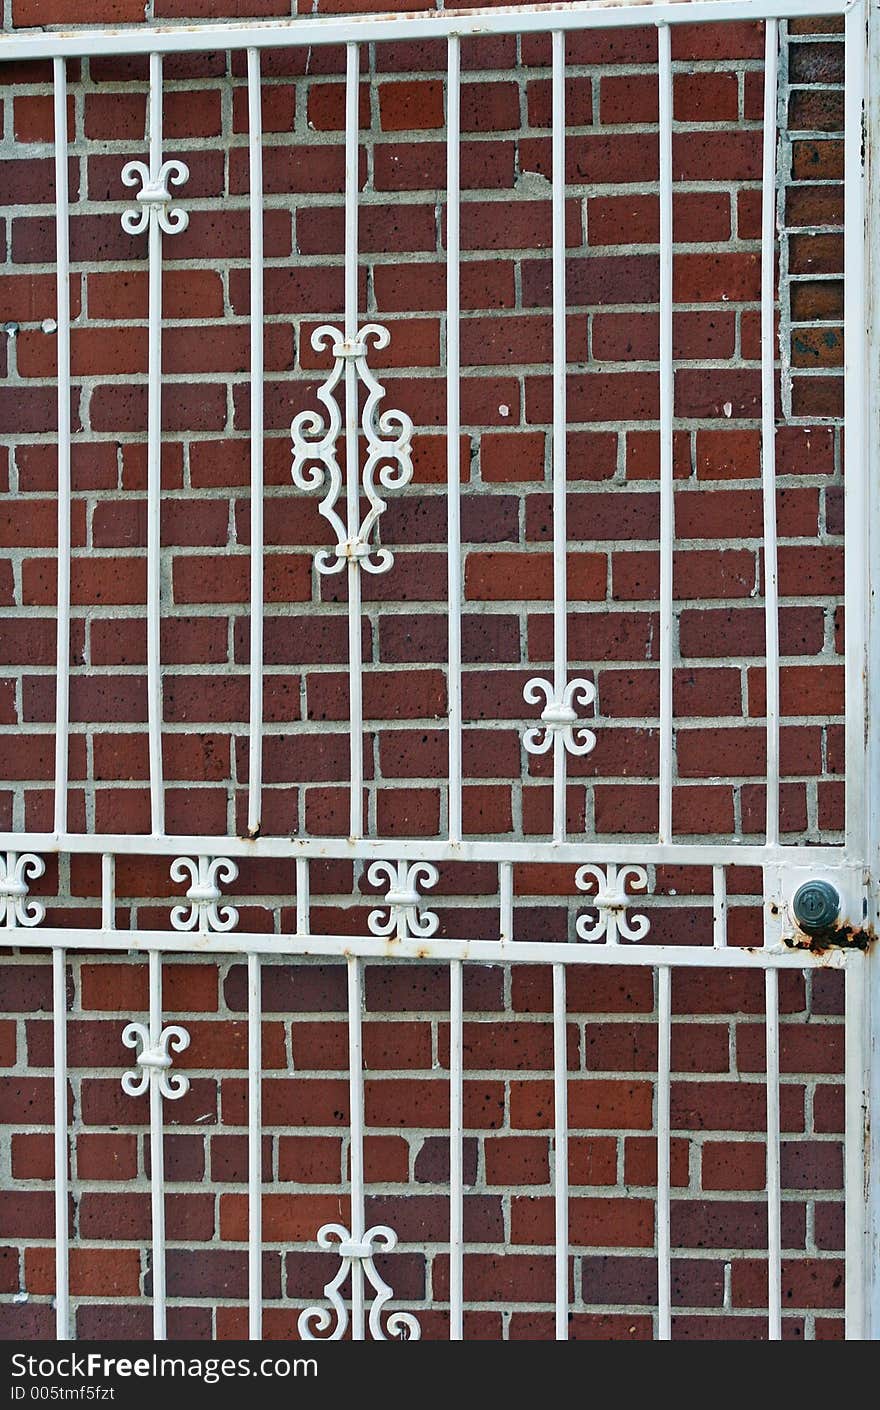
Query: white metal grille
(327,458)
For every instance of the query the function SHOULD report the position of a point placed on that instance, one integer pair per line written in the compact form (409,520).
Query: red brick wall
(718,1094)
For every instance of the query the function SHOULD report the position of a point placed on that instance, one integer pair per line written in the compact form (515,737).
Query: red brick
(106,1156)
(110,1272)
(408,107)
(733,1165)
(33,1156)
(808,1282)
(42,12)
(592,1104)
(517,1160)
(505,576)
(608,1222)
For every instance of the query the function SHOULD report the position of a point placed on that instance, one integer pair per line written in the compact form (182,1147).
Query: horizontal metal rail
(421,948)
(332,29)
(435,848)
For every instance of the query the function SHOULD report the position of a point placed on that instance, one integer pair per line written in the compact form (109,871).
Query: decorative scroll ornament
(316,463)
(402,1326)
(154,1062)
(559,716)
(611,901)
(15,868)
(403,900)
(154,195)
(204,893)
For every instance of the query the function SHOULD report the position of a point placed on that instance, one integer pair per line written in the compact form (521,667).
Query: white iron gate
(351,449)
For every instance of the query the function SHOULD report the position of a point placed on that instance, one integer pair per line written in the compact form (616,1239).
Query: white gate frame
(401,928)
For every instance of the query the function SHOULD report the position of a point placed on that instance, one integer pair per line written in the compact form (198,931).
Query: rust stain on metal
(842,937)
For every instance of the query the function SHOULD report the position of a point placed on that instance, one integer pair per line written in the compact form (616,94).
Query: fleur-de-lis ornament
(404,903)
(559,716)
(610,903)
(154,1063)
(403,1326)
(15,909)
(204,893)
(316,461)
(154,196)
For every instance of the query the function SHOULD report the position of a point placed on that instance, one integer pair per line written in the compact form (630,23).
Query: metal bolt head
(816,907)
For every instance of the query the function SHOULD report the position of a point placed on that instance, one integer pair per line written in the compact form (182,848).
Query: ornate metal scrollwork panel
(316,461)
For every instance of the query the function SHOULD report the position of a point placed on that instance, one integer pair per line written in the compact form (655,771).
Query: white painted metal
(365,29)
(560,426)
(456,1172)
(560,1149)
(255,166)
(862,658)
(152,214)
(559,715)
(59,1082)
(157,1150)
(768,425)
(664,1069)
(401,928)
(15,870)
(352,477)
(413,948)
(865,1257)
(719,907)
(108,891)
(505,901)
(255,1151)
(204,894)
(154,465)
(856,518)
(774,1194)
(453,426)
(405,915)
(302,896)
(436,849)
(62,289)
(357,1244)
(859,1176)
(611,901)
(667,413)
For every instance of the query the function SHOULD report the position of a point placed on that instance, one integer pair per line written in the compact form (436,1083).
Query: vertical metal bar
(719,907)
(157,1154)
(862,1009)
(560,1148)
(860,1238)
(667,409)
(768,425)
(62,303)
(453,427)
(456,1177)
(255,155)
(560,362)
(855,420)
(352,466)
(255,1163)
(664,1077)
(154,465)
(865,975)
(108,891)
(774,1209)
(356,1098)
(59,1061)
(302,896)
(505,900)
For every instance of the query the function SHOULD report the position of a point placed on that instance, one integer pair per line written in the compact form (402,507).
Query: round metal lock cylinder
(816,907)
